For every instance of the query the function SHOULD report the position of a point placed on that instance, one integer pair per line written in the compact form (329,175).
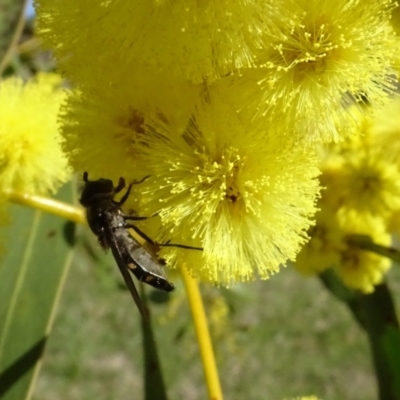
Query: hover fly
(110,224)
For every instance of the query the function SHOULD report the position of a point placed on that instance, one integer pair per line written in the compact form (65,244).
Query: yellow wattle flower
(31,159)
(360,269)
(360,174)
(383,131)
(245,195)
(329,248)
(190,39)
(323,249)
(102,124)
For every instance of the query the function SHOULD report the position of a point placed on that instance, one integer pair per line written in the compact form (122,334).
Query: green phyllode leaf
(376,314)
(37,253)
(391,343)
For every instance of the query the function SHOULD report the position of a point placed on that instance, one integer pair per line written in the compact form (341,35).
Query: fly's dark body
(109,223)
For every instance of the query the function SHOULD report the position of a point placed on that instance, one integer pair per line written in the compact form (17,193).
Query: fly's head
(101,189)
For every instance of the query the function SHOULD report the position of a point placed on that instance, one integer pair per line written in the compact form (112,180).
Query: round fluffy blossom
(324,248)
(330,247)
(244,195)
(360,175)
(187,38)
(360,269)
(383,131)
(31,158)
(102,127)
(322,55)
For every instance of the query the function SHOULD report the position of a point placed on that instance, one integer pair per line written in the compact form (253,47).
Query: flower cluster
(223,105)
(322,55)
(361,176)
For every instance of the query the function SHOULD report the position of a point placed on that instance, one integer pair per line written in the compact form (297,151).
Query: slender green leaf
(391,343)
(376,314)
(153,379)
(348,296)
(37,255)
(11,24)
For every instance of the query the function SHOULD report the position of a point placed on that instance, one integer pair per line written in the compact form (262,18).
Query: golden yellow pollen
(218,178)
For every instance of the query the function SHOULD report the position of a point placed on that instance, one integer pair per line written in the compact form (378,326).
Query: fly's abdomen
(143,265)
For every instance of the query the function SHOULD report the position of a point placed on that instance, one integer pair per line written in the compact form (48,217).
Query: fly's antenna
(85,177)
(141,181)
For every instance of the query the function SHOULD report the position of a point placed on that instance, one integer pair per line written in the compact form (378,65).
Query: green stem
(364,242)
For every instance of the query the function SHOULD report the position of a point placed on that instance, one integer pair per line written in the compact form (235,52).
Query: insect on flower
(110,224)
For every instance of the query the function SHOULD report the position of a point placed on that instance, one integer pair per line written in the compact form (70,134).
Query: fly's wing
(116,251)
(144,266)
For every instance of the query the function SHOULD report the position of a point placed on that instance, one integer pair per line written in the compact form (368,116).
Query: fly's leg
(181,246)
(137,218)
(152,242)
